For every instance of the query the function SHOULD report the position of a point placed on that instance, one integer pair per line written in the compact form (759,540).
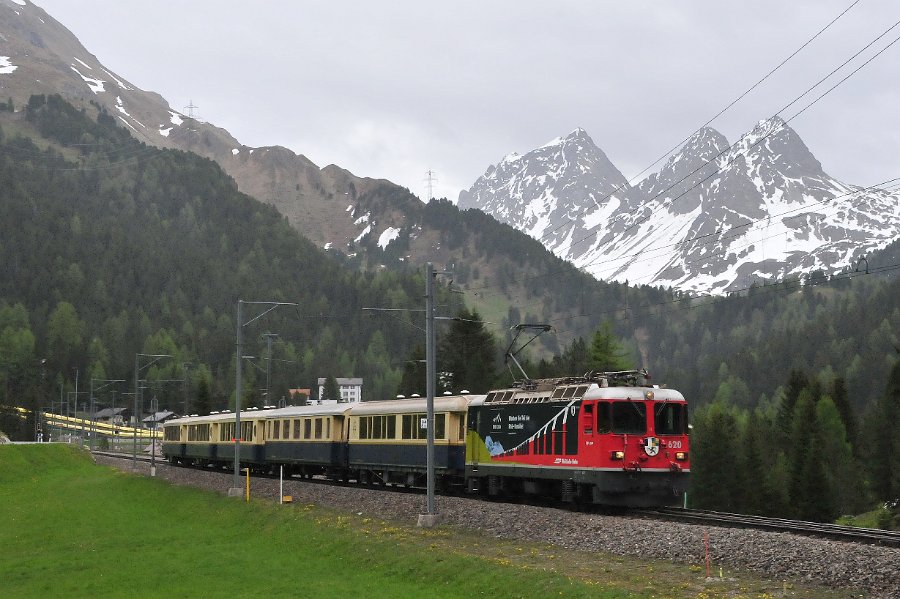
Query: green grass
(73,529)
(69,528)
(880,517)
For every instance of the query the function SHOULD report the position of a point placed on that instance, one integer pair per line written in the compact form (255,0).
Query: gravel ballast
(780,556)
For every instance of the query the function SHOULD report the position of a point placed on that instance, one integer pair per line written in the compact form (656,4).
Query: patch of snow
(20,3)
(235,151)
(6,67)
(327,246)
(389,235)
(164,132)
(96,85)
(349,208)
(175,118)
(553,142)
(362,219)
(365,232)
(86,65)
(116,79)
(120,106)
(128,124)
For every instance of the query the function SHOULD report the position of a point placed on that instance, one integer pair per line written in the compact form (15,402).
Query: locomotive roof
(633,393)
(574,389)
(444,403)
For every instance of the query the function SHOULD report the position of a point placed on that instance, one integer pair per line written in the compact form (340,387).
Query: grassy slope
(76,530)
(69,528)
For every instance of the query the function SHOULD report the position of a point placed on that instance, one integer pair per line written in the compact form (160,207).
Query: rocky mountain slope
(371,223)
(40,56)
(714,218)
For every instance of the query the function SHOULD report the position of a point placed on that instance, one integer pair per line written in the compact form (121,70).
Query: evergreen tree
(607,354)
(65,331)
(413,380)
(884,451)
(755,457)
(331,390)
(815,500)
(467,354)
(203,398)
(715,481)
(797,382)
(842,403)
(842,470)
(810,490)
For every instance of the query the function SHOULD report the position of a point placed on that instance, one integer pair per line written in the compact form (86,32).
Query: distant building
(114,416)
(351,389)
(158,418)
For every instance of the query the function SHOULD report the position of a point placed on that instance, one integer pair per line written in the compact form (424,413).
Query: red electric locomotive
(607,437)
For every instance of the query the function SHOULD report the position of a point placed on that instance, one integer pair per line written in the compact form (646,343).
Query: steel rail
(888,538)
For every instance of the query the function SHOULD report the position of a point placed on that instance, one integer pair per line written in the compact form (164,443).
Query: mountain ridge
(713,219)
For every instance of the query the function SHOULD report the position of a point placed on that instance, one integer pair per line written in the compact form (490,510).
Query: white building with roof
(351,389)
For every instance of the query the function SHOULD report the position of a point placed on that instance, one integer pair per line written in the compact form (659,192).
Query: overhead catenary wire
(762,138)
(741,96)
(719,234)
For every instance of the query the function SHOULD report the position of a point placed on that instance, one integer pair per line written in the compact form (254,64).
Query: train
(608,438)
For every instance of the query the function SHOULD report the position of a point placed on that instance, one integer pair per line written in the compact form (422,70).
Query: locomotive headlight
(617,455)
(681,456)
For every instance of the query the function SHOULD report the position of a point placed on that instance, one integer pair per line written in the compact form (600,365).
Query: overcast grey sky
(389,89)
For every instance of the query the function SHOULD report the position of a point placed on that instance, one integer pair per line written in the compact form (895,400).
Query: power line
(767,134)
(717,115)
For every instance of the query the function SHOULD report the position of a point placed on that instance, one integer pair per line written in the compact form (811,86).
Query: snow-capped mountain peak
(715,217)
(543,191)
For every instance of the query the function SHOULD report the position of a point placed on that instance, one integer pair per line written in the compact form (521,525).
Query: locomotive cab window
(604,422)
(588,416)
(670,419)
(629,418)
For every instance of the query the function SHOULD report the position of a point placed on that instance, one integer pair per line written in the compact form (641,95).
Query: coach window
(328,428)
(276,427)
(307,428)
(406,429)
(318,428)
(296,429)
(629,418)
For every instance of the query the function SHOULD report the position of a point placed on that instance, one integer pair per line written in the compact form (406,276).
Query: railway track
(873,536)
(854,534)
(141,457)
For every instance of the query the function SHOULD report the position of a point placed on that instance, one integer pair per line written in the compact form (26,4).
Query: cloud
(390,89)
